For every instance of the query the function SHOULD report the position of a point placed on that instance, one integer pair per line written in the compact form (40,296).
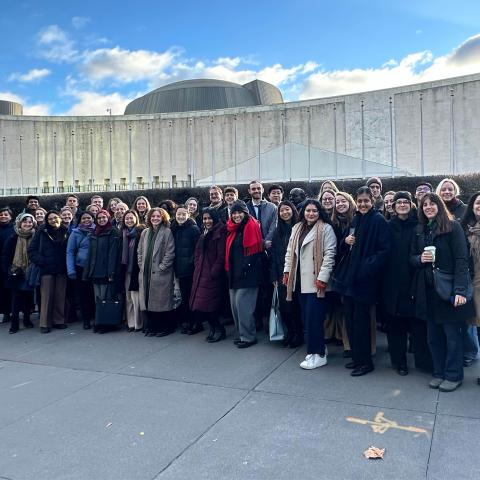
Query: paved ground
(77,405)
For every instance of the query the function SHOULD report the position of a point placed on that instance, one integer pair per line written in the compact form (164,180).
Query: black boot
(14,327)
(220,334)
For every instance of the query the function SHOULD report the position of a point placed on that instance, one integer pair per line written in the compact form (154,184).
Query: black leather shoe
(195,329)
(44,330)
(210,335)
(59,326)
(402,370)
(237,341)
(351,365)
(363,370)
(246,344)
(219,335)
(13,330)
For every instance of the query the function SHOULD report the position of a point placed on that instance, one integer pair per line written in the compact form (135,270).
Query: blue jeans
(470,342)
(314,310)
(445,342)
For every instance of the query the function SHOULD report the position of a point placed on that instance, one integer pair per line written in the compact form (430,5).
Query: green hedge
(468,185)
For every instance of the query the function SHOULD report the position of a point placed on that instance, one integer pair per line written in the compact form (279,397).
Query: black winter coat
(457,209)
(186,237)
(48,254)
(133,285)
(276,253)
(451,256)
(6,231)
(361,271)
(244,271)
(397,279)
(104,256)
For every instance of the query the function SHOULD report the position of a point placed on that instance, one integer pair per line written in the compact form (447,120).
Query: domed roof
(204,94)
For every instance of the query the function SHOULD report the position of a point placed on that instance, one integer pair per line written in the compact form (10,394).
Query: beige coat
(160,297)
(305,256)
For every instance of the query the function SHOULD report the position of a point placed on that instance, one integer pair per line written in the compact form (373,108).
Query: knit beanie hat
(239,206)
(403,195)
(374,180)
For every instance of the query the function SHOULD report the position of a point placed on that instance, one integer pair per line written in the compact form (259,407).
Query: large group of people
(340,265)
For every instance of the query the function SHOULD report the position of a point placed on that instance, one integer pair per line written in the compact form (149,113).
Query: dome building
(204,94)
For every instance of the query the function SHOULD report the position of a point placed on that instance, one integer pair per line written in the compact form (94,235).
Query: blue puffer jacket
(77,250)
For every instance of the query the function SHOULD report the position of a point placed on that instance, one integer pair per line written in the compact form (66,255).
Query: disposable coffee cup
(432,250)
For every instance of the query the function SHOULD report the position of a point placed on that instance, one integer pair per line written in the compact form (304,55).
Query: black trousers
(85,299)
(183,312)
(290,313)
(358,323)
(158,322)
(397,337)
(22,301)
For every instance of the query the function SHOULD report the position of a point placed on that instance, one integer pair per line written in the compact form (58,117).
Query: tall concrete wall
(431,128)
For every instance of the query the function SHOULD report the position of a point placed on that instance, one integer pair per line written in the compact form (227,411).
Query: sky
(84,58)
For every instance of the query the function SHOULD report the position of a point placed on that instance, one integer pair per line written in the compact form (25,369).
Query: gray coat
(160,297)
(268,217)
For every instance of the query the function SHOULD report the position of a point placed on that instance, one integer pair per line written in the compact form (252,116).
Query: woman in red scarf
(244,267)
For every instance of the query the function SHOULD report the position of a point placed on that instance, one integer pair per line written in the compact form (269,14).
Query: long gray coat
(160,297)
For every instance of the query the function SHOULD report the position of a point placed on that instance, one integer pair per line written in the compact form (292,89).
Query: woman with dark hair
(102,267)
(287,217)
(185,234)
(156,256)
(6,231)
(308,265)
(112,206)
(208,288)
(471,227)
(15,263)
(77,256)
(169,206)
(449,191)
(389,210)
(131,230)
(327,201)
(243,264)
(440,246)
(366,248)
(396,299)
(48,250)
(141,205)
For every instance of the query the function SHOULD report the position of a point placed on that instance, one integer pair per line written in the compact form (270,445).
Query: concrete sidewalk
(78,405)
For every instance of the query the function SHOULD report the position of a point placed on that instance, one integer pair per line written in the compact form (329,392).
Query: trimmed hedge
(469,184)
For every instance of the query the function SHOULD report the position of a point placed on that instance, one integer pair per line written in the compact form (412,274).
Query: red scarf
(252,238)
(101,229)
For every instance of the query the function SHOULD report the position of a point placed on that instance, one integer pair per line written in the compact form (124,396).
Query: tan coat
(305,255)
(160,297)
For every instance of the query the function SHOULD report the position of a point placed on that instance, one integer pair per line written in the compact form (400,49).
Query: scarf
(20,258)
(252,238)
(473,235)
(297,231)
(452,204)
(86,228)
(128,246)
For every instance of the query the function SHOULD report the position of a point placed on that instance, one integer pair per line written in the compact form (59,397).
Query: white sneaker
(313,361)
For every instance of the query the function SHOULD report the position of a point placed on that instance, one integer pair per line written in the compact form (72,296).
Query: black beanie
(374,180)
(404,195)
(239,206)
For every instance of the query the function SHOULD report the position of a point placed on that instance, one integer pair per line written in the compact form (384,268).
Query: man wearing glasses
(375,186)
(421,189)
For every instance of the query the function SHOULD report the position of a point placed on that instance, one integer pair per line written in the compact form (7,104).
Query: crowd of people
(339,265)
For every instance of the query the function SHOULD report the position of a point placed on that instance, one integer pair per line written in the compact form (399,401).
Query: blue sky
(80,58)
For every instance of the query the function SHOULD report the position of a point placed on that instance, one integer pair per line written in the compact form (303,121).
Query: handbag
(443,283)
(109,311)
(275,321)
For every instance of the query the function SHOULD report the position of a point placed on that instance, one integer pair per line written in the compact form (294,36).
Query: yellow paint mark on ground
(380,424)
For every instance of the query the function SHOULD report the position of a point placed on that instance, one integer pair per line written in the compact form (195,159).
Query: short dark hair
(7,209)
(275,187)
(72,195)
(364,191)
(230,190)
(32,197)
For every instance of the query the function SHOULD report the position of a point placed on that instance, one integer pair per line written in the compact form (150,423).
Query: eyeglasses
(422,189)
(402,202)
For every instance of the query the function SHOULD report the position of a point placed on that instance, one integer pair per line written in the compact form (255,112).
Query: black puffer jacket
(186,236)
(397,280)
(49,254)
(244,271)
(103,262)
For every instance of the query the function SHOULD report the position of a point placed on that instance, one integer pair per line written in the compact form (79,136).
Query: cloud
(414,68)
(126,65)
(80,22)
(28,109)
(95,103)
(30,76)
(56,45)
